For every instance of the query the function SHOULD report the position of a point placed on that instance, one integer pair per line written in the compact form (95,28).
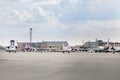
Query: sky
(75,21)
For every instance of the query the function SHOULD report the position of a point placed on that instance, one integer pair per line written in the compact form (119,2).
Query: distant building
(53,45)
(90,44)
(77,46)
(45,45)
(100,43)
(113,44)
(21,45)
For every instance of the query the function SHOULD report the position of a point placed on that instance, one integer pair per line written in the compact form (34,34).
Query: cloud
(23,15)
(39,9)
(102,7)
(72,20)
(89,30)
(26,0)
(75,1)
(95,25)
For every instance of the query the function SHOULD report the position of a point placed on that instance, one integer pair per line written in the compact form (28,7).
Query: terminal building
(44,45)
(98,43)
(22,45)
(53,45)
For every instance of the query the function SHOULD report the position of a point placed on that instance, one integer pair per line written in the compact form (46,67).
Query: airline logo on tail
(27,47)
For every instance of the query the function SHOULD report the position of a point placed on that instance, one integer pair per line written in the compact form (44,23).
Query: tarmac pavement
(59,66)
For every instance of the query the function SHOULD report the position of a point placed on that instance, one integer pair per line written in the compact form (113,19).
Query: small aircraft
(12,47)
(115,49)
(67,48)
(105,48)
(102,49)
(29,48)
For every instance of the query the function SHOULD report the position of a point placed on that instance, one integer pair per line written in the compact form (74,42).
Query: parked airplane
(105,48)
(115,49)
(12,47)
(29,48)
(67,48)
(102,49)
